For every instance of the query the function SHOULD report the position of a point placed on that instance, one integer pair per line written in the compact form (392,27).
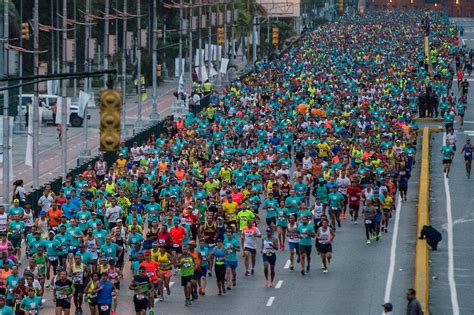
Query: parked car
(48,103)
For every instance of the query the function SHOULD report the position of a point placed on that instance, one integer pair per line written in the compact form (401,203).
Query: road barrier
(422,271)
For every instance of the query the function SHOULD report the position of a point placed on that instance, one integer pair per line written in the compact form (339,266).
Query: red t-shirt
(353,194)
(177,234)
(237,197)
(164,238)
(150,269)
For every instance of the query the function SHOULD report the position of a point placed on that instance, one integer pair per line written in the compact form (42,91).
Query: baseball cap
(16,200)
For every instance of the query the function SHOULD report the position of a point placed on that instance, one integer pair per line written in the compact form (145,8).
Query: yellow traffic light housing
(341,6)
(158,70)
(25,31)
(110,119)
(275,36)
(220,36)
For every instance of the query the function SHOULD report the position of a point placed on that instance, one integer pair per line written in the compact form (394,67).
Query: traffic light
(220,36)
(341,6)
(275,36)
(158,70)
(159,33)
(110,115)
(25,31)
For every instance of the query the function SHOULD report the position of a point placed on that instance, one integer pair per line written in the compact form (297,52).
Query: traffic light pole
(154,116)
(139,122)
(6,118)
(36,122)
(86,153)
(124,69)
(106,38)
(190,47)
(64,104)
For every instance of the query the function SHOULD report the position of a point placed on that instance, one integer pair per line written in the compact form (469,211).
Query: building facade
(455,8)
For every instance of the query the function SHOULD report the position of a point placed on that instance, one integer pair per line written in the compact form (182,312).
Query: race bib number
(104,308)
(140,297)
(175,245)
(52,258)
(368,221)
(186,265)
(353,198)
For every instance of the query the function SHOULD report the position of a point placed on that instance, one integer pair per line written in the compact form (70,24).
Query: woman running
(165,271)
(293,240)
(325,235)
(369,215)
(91,293)
(269,248)
(219,254)
(282,224)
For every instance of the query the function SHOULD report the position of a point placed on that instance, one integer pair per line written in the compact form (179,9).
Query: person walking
(413,306)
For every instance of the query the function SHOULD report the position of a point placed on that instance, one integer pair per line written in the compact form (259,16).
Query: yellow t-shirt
(230,210)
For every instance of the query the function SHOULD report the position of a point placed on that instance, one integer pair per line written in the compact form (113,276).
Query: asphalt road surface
(452,265)
(358,280)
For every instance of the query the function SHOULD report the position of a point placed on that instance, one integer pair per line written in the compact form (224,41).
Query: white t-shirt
(3,222)
(113,213)
(250,237)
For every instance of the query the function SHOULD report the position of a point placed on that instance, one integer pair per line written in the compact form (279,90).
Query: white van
(48,102)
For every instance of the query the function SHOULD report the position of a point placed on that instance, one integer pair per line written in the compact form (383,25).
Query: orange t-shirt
(178,234)
(55,216)
(150,269)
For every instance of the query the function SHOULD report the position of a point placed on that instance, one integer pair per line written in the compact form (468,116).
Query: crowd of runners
(281,161)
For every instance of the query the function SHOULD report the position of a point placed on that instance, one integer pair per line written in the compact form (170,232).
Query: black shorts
(467,157)
(354,207)
(447,161)
(79,288)
(62,257)
(65,304)
(253,251)
(305,249)
(141,302)
(198,274)
(270,221)
(186,280)
(54,263)
(325,248)
(178,249)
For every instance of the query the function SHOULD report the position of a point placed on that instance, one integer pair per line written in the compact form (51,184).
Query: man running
(448,154)
(467,152)
(269,248)
(325,235)
(249,235)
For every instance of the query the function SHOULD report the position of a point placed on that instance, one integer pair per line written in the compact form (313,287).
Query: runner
(186,265)
(232,246)
(219,254)
(325,236)
(143,292)
(63,292)
(293,240)
(467,152)
(305,232)
(269,248)
(249,237)
(448,154)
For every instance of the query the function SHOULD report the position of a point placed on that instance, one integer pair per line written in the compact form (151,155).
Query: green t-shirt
(186,264)
(244,217)
(447,152)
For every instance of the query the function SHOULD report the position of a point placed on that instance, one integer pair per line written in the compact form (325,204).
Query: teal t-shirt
(305,239)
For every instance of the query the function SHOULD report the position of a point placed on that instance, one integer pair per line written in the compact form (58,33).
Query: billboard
(281,8)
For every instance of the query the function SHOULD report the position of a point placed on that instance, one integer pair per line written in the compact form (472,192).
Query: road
(356,283)
(451,290)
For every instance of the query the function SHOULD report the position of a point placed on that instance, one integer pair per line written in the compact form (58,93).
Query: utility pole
(254,39)
(19,126)
(200,41)
(75,50)
(124,68)
(106,39)
(6,117)
(154,116)
(64,109)
(209,40)
(190,28)
(218,46)
(36,122)
(85,151)
(180,65)
(233,29)
(139,122)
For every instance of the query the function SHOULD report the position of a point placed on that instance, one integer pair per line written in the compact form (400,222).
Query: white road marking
(279,284)
(393,252)
(463,41)
(458,221)
(449,214)
(270,301)
(171,284)
(287,265)
(469,121)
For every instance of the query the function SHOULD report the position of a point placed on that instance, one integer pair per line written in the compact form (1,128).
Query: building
(455,8)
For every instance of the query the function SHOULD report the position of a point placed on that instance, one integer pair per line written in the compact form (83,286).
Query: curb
(422,271)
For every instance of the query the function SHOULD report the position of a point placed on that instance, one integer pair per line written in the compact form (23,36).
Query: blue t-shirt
(104,296)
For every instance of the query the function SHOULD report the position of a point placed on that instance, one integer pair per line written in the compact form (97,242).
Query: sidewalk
(50,148)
